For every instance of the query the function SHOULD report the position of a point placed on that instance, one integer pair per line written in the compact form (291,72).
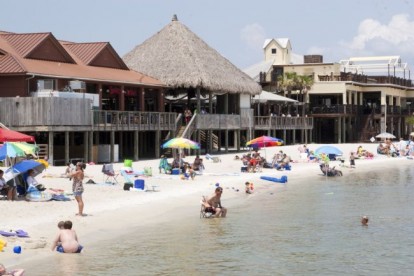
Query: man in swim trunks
(67,241)
(213,204)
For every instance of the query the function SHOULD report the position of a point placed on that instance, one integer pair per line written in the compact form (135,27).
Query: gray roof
(180,59)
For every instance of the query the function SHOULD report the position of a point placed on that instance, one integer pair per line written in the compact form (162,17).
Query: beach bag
(128,163)
(127,186)
(148,171)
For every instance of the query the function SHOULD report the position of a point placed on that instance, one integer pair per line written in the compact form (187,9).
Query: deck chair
(109,174)
(203,213)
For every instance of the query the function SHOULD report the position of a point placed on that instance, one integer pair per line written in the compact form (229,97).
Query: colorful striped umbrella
(181,143)
(15,149)
(264,141)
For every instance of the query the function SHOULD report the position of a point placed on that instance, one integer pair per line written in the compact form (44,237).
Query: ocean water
(308,229)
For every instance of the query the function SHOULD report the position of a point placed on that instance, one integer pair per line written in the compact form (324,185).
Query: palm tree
(292,81)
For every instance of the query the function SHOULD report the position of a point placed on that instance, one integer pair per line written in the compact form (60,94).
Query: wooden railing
(269,122)
(218,121)
(131,120)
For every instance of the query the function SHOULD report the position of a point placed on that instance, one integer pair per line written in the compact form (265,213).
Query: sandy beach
(111,211)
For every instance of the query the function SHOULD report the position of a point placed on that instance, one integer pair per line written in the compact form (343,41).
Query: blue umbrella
(22,167)
(328,150)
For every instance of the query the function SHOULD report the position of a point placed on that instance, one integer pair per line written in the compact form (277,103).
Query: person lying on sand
(15,272)
(66,240)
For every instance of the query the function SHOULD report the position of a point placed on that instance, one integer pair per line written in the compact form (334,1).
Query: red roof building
(27,58)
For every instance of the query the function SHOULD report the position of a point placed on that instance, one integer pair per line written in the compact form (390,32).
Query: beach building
(351,100)
(80,100)
(199,78)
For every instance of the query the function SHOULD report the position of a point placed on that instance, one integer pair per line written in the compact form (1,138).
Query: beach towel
(60,197)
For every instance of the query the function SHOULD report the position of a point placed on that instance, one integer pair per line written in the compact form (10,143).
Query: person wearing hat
(213,204)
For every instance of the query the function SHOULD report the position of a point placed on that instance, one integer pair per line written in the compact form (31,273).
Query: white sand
(113,211)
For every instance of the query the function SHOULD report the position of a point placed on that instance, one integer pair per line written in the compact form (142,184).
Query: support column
(226,139)
(284,136)
(293,136)
(141,99)
(67,157)
(136,145)
(238,139)
(90,145)
(100,95)
(157,143)
(310,136)
(121,144)
(122,99)
(219,140)
(50,145)
(112,142)
(161,105)
(85,146)
(339,130)
(198,100)
(210,141)
(343,130)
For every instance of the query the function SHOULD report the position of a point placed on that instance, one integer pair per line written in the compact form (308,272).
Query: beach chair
(203,213)
(109,174)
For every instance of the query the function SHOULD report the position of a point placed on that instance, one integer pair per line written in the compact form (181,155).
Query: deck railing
(272,122)
(133,120)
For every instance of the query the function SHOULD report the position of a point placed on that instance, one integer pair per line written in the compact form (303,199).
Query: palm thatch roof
(180,59)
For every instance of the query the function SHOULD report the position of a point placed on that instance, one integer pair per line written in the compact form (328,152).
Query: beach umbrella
(7,135)
(328,150)
(16,149)
(264,141)
(22,168)
(385,135)
(181,143)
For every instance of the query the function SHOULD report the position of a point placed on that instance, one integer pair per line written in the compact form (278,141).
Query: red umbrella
(7,135)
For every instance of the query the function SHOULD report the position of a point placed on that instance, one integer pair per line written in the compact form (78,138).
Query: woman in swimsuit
(77,186)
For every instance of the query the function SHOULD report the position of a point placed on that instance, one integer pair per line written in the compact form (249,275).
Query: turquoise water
(312,228)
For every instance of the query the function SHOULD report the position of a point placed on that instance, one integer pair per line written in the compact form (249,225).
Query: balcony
(281,123)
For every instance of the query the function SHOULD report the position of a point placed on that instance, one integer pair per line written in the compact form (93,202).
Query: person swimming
(364,220)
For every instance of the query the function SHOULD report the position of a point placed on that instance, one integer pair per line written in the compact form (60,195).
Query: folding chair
(203,213)
(109,174)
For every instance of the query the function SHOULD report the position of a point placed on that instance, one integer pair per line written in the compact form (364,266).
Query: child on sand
(352,160)
(249,187)
(66,240)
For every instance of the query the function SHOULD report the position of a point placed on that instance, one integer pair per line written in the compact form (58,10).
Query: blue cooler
(139,184)
(175,171)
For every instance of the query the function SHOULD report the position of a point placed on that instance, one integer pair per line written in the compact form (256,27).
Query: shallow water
(308,229)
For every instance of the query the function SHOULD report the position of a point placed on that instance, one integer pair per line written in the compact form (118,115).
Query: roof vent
(174,18)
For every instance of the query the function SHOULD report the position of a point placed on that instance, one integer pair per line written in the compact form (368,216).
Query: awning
(267,96)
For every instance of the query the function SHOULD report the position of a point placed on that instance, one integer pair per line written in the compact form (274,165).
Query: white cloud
(394,38)
(254,35)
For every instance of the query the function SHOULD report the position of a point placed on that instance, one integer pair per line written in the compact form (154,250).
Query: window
(273,51)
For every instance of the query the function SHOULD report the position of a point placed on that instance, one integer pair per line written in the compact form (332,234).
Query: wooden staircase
(43,151)
(204,140)
(366,130)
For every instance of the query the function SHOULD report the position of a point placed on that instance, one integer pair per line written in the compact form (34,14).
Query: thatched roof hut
(180,59)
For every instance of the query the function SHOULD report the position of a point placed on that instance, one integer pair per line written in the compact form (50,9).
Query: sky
(237,29)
